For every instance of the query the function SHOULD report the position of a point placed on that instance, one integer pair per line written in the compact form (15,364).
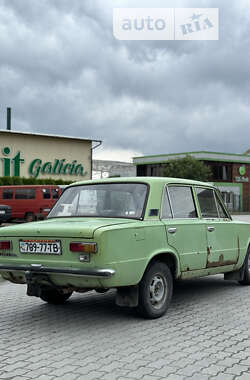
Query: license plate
(2,212)
(45,247)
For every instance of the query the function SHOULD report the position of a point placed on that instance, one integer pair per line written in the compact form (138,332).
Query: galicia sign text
(12,164)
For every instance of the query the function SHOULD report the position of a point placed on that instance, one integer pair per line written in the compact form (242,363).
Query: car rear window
(103,200)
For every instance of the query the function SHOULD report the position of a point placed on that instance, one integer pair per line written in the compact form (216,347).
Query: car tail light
(83,247)
(5,245)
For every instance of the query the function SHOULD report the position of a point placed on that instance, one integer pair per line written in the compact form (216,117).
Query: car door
(185,230)
(222,239)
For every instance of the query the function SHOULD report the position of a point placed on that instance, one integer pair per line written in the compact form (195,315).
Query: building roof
(200,155)
(46,135)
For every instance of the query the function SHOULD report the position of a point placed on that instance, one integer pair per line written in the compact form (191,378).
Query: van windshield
(125,200)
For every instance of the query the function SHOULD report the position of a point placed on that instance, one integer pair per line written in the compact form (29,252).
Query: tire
(54,296)
(30,217)
(102,290)
(155,291)
(246,270)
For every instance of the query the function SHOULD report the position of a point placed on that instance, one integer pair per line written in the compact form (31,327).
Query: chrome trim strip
(37,268)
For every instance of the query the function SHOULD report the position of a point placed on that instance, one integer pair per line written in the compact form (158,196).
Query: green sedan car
(137,235)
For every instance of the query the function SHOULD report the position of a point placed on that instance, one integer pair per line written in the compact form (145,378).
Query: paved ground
(205,335)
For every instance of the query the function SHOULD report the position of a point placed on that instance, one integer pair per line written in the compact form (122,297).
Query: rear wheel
(54,296)
(246,270)
(155,291)
(30,217)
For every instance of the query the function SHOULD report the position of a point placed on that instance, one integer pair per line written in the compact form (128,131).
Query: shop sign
(59,166)
(241,178)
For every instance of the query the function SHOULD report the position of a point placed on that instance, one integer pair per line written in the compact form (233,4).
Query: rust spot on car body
(220,262)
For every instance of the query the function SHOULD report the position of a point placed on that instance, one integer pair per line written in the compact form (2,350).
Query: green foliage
(188,167)
(31,181)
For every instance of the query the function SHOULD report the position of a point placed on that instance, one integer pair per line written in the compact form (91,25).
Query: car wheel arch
(168,258)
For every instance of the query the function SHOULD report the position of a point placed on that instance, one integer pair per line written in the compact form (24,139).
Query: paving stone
(236,369)
(222,376)
(164,371)
(245,362)
(244,376)
(176,377)
(212,370)
(140,372)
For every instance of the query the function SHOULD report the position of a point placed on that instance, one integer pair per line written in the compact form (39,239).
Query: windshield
(125,200)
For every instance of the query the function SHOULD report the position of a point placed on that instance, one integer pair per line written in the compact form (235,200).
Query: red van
(30,202)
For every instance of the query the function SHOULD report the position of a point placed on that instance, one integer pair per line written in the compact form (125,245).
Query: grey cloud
(63,72)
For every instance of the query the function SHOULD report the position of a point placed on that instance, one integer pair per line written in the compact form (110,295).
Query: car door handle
(211,228)
(172,230)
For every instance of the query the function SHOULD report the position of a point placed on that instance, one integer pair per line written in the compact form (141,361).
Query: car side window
(221,210)
(207,203)
(46,194)
(25,193)
(182,202)
(166,212)
(8,194)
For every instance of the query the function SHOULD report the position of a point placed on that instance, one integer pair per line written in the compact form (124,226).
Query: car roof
(148,180)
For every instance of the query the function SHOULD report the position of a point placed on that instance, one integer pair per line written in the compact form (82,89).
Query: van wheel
(155,290)
(54,296)
(246,266)
(30,217)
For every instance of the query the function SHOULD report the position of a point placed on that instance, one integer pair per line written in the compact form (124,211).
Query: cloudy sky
(63,72)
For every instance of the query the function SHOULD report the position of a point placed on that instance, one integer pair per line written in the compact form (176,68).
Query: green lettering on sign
(59,167)
(35,167)
(16,161)
(12,166)
(47,168)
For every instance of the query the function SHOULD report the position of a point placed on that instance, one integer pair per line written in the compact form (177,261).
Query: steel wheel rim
(158,291)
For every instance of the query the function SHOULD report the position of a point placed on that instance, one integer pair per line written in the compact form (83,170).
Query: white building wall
(105,169)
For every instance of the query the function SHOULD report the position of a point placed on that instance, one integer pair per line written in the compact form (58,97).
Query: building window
(153,171)
(220,171)
(142,170)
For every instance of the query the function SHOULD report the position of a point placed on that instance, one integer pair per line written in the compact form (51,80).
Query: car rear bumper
(37,268)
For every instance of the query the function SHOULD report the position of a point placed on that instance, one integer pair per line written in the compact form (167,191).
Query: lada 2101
(137,235)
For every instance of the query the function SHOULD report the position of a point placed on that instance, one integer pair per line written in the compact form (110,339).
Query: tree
(188,167)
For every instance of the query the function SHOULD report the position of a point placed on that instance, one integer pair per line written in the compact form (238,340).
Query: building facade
(106,168)
(42,156)
(230,173)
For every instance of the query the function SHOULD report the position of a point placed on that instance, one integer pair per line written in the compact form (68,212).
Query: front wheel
(246,270)
(54,296)
(155,291)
